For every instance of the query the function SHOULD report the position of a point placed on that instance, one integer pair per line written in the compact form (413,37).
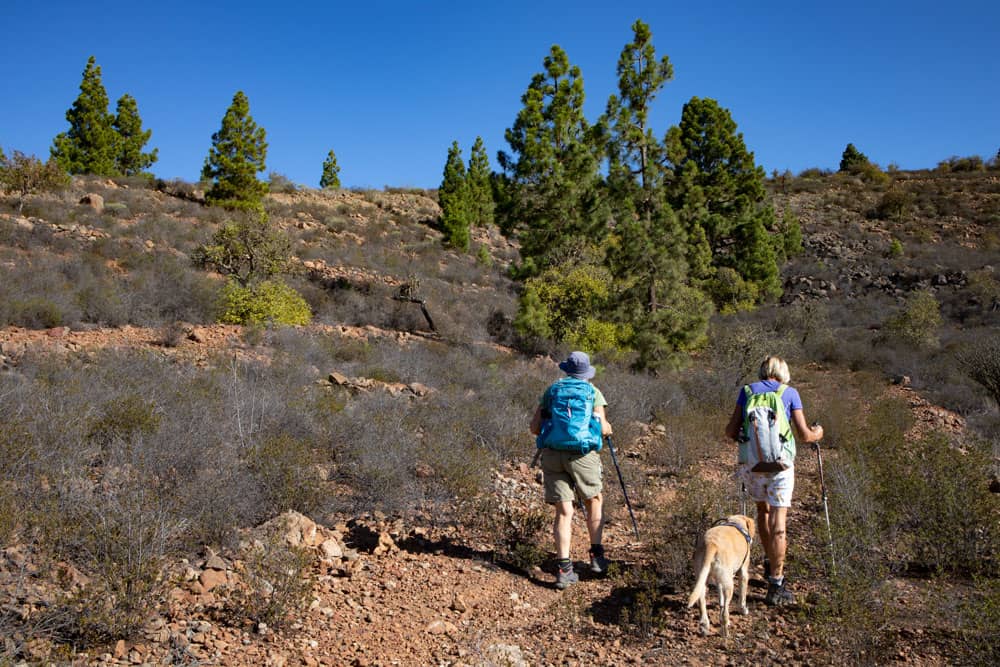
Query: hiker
(569,442)
(772,491)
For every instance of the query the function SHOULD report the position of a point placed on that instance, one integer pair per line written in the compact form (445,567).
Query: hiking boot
(598,563)
(767,570)
(566,578)
(778,595)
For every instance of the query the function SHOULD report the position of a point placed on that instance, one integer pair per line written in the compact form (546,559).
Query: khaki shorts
(775,489)
(564,469)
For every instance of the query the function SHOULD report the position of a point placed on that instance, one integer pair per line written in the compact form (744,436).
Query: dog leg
(725,598)
(703,625)
(744,582)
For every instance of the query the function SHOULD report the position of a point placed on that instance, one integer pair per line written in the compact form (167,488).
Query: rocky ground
(389,592)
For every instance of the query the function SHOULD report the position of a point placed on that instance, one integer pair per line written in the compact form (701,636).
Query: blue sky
(389,85)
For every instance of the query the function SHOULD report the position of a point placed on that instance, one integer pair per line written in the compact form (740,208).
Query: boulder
(94,201)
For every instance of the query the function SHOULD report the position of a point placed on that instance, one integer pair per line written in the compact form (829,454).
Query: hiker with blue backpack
(767,417)
(570,424)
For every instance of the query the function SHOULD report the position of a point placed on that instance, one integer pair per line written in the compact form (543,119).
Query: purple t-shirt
(790,398)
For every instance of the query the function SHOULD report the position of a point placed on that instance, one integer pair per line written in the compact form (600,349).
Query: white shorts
(773,488)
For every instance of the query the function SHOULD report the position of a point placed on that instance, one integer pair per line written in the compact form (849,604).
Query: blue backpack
(569,423)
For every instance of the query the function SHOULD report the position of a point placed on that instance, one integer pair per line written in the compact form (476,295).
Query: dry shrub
(276,583)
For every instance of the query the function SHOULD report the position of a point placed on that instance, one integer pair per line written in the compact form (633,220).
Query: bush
(285,468)
(25,174)
(276,583)
(981,362)
(917,323)
(270,302)
(894,205)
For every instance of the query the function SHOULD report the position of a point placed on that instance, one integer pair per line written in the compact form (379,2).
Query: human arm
(536,421)
(605,424)
(735,423)
(805,432)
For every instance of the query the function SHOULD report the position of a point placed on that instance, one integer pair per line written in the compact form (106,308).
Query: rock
(385,544)
(440,627)
(215,562)
(458,604)
(94,201)
(338,379)
(196,335)
(419,389)
(331,549)
(210,579)
(57,332)
(119,649)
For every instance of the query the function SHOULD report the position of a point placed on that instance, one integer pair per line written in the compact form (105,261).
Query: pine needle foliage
(454,198)
(331,172)
(130,160)
(90,144)
(237,154)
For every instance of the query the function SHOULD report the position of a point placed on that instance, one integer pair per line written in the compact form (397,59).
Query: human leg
(779,543)
(562,528)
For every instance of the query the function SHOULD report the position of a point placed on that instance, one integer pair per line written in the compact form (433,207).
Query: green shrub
(895,248)
(731,292)
(285,467)
(895,205)
(981,362)
(599,337)
(917,323)
(269,302)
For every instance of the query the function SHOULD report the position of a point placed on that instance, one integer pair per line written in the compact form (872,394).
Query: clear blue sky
(389,85)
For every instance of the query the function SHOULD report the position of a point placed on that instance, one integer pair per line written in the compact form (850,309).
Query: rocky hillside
(358,491)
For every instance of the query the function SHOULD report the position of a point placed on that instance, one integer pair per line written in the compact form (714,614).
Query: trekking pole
(826,508)
(621,481)
(743,498)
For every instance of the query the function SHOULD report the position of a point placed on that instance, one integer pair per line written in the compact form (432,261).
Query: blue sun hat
(577,365)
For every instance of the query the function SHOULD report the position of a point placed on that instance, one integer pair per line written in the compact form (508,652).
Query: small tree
(981,362)
(130,160)
(90,144)
(237,154)
(330,177)
(453,196)
(26,174)
(250,250)
(853,161)
(480,189)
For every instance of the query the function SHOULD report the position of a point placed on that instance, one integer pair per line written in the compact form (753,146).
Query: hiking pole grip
(621,480)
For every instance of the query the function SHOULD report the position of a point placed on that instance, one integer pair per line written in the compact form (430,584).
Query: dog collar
(743,531)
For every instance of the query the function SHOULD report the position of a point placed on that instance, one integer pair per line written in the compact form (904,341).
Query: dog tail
(706,566)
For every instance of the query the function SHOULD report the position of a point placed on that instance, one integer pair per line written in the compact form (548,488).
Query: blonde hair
(776,368)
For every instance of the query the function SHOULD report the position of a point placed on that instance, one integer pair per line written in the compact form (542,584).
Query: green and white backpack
(767,443)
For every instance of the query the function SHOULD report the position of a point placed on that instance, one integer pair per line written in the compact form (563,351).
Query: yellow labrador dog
(722,552)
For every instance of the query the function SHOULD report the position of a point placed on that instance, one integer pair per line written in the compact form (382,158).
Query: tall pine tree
(552,187)
(453,196)
(130,160)
(237,154)
(331,172)
(718,192)
(90,144)
(480,189)
(647,252)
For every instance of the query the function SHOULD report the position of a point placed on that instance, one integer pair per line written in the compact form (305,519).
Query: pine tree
(650,255)
(330,177)
(553,179)
(130,160)
(852,160)
(237,154)
(453,196)
(480,189)
(90,144)
(718,192)
(636,170)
